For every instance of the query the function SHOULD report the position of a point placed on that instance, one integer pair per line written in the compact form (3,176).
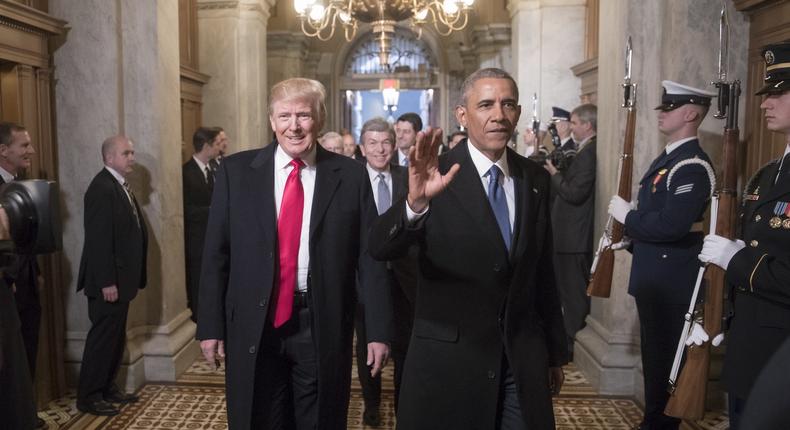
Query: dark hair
(413,118)
(204,136)
(7,130)
(482,74)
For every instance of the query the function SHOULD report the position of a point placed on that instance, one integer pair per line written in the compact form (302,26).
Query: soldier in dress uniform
(561,119)
(758,264)
(665,230)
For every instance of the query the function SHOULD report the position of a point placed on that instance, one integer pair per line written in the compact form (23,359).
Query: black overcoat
(476,302)
(240,270)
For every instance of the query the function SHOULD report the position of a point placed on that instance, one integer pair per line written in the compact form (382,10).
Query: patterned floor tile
(197,401)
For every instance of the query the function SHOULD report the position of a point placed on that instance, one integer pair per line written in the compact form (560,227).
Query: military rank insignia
(782,216)
(657,179)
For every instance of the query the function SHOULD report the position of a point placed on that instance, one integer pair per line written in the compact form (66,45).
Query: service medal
(786,224)
(657,179)
(775,222)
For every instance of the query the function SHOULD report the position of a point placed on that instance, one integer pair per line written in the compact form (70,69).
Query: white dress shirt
(7,176)
(402,157)
(202,167)
(282,168)
(482,165)
(374,182)
(121,180)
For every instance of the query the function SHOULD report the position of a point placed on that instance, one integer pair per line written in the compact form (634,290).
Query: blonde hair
(300,89)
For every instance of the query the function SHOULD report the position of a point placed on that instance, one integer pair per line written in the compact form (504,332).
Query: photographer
(16,395)
(572,218)
(16,150)
(29,225)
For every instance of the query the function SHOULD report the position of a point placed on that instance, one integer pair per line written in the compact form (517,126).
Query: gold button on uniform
(754,243)
(757,217)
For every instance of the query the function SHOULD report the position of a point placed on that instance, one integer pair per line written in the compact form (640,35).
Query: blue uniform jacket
(665,264)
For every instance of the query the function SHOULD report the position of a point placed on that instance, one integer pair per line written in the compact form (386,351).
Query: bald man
(112,269)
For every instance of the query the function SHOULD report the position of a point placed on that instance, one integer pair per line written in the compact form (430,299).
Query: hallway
(197,401)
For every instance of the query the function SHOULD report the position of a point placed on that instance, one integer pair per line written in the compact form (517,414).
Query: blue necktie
(384,195)
(496,196)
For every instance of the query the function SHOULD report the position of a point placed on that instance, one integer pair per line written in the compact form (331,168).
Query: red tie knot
(297,163)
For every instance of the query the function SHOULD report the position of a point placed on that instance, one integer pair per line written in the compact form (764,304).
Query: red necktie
(289,230)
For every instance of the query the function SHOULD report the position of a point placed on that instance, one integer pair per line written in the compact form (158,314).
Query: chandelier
(320,20)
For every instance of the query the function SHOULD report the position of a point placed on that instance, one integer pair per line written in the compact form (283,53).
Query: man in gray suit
(572,218)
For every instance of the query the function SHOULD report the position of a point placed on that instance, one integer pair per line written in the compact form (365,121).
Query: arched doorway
(414,68)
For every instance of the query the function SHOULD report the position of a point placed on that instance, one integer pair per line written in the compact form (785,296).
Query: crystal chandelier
(320,17)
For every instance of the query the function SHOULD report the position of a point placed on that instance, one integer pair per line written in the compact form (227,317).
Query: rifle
(687,396)
(603,265)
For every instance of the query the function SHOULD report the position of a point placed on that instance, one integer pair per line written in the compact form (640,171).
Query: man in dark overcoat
(287,235)
(488,338)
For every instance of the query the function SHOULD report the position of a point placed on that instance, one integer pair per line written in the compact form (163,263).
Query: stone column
(233,52)
(286,54)
(118,72)
(607,350)
(492,45)
(548,39)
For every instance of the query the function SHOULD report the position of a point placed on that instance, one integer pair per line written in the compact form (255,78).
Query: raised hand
(425,180)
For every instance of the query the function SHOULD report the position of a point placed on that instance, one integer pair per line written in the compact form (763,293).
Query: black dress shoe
(371,417)
(118,396)
(97,407)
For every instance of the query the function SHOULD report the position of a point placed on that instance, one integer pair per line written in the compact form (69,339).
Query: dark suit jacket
(759,276)
(404,269)
(665,265)
(574,208)
(197,200)
(115,246)
(240,271)
(476,303)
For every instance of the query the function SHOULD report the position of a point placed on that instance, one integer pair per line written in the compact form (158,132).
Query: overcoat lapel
(260,186)
(526,209)
(327,178)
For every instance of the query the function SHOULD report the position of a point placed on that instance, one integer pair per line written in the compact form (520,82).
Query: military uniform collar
(676,144)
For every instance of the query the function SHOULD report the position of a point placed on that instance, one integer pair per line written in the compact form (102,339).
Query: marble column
(233,52)
(287,55)
(117,71)
(607,350)
(492,46)
(547,40)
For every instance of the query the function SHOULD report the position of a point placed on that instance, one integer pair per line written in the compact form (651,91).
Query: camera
(33,215)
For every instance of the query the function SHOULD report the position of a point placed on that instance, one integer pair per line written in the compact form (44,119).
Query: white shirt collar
(483,163)
(281,159)
(121,180)
(7,176)
(584,142)
(402,156)
(200,164)
(676,144)
(373,173)
(787,150)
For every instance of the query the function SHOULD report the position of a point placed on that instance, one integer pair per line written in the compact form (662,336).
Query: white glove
(718,339)
(607,242)
(698,335)
(619,208)
(719,250)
